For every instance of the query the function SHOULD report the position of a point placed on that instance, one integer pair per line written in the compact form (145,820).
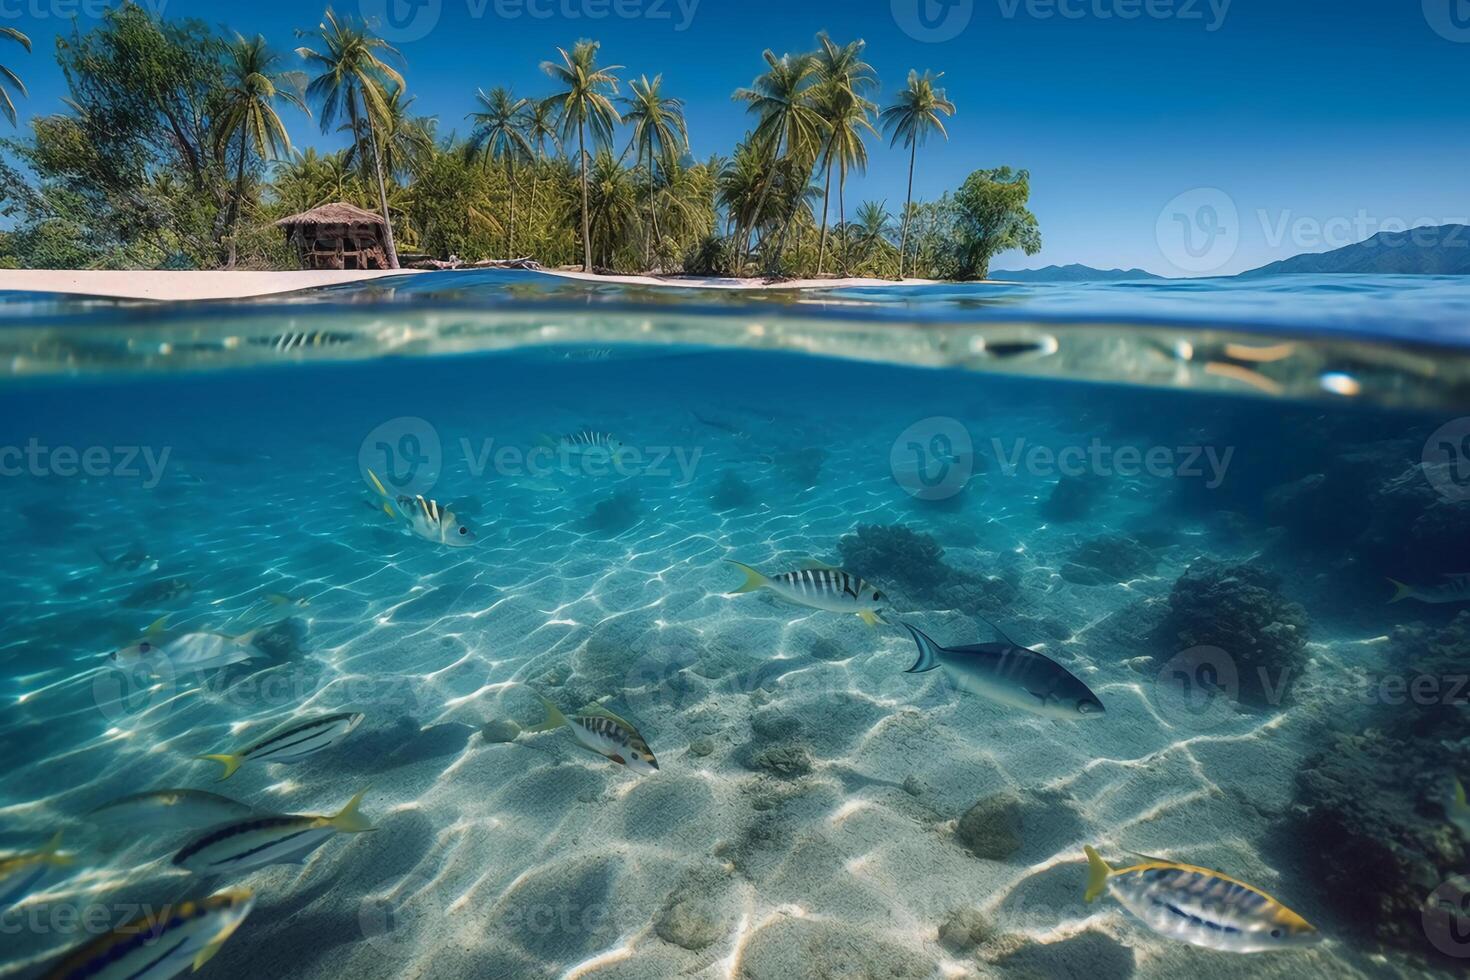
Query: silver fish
(590,440)
(291,743)
(204,650)
(167,810)
(604,733)
(425,518)
(261,841)
(1011,675)
(1199,906)
(819,586)
(183,937)
(1452,588)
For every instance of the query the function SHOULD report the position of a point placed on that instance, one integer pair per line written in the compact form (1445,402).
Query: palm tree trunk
(586,226)
(826,197)
(382,187)
(842,215)
(903,240)
(510,184)
(235,204)
(760,201)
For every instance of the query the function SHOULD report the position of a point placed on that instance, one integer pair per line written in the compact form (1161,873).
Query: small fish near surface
(20,874)
(162,811)
(161,652)
(1452,588)
(290,743)
(603,732)
(182,938)
(819,586)
(1199,906)
(1010,674)
(425,518)
(259,842)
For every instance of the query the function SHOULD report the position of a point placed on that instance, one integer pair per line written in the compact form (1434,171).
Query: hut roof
(337,213)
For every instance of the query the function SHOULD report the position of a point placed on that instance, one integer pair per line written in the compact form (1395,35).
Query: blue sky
(1180,136)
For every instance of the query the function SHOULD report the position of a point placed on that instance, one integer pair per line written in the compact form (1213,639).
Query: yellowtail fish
(291,743)
(160,651)
(181,938)
(258,842)
(280,599)
(425,517)
(1453,588)
(20,874)
(1458,810)
(162,811)
(1199,906)
(1010,674)
(819,586)
(603,732)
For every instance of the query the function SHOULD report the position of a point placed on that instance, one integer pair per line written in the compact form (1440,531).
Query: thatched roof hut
(337,236)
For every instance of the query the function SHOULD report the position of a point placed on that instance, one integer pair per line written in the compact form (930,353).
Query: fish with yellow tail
(425,518)
(1199,906)
(603,732)
(162,652)
(1450,588)
(23,873)
(291,742)
(1458,809)
(819,586)
(179,939)
(258,842)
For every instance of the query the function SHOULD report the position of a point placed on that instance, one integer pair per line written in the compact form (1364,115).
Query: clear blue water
(1188,495)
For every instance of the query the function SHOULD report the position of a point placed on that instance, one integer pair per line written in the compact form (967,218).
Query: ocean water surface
(1234,516)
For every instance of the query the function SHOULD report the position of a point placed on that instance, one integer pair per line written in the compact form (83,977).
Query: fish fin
(1097,874)
(230,762)
(1148,858)
(1400,590)
(997,631)
(156,627)
(350,819)
(870,617)
(1460,802)
(928,651)
(51,852)
(753,579)
(378,485)
(812,564)
(207,953)
(598,709)
(554,718)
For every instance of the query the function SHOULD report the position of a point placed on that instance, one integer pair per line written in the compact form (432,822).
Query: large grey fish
(819,586)
(22,873)
(1199,906)
(1450,588)
(165,810)
(291,743)
(156,947)
(261,841)
(1010,674)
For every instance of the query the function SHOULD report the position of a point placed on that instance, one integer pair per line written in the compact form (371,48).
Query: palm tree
(583,105)
(873,225)
(354,76)
(738,187)
(844,79)
(659,131)
(498,136)
(405,141)
(613,208)
(911,118)
(789,123)
(250,96)
(9,77)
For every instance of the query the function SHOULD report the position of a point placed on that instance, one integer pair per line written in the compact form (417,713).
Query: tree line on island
(174,153)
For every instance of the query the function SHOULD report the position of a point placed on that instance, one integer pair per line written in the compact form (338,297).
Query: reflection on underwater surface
(1214,569)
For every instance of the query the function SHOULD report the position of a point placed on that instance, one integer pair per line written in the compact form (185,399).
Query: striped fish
(1452,588)
(1010,674)
(819,586)
(292,743)
(257,842)
(590,440)
(20,874)
(300,340)
(183,937)
(426,518)
(604,733)
(166,810)
(1199,906)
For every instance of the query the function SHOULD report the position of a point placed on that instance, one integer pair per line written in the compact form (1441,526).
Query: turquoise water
(1190,497)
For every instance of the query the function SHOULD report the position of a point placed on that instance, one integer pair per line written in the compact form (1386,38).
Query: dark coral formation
(1108,560)
(910,566)
(731,493)
(1240,610)
(613,514)
(1073,497)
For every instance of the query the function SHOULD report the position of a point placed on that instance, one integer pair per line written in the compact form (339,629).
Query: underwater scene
(481,626)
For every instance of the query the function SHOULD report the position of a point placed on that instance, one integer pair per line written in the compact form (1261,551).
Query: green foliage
(990,216)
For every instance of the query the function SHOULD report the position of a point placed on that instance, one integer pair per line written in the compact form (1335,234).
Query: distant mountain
(1071,273)
(1441,251)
